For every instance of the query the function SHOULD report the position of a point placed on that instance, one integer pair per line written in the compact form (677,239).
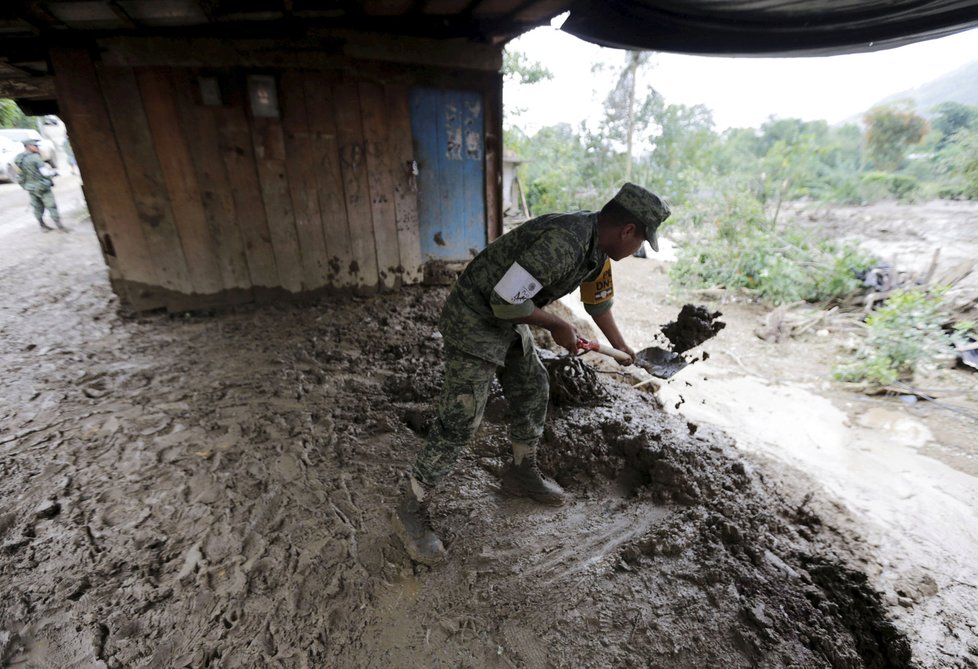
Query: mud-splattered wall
(215,176)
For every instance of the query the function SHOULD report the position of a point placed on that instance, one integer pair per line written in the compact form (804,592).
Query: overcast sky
(742,92)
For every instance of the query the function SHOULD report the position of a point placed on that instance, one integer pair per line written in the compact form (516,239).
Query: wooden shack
(225,171)
(237,152)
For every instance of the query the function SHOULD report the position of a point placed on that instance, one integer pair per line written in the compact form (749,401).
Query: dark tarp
(767,27)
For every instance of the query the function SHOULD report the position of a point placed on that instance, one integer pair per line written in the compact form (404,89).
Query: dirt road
(214,491)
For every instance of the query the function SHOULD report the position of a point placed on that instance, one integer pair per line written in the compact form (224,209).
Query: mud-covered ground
(214,491)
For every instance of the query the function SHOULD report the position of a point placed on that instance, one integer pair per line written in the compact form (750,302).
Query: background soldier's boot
(413,527)
(523,478)
(62,228)
(45,227)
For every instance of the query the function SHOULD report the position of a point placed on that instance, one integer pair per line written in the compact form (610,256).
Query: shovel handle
(586,345)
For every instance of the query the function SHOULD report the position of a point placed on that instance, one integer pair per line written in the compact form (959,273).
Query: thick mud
(694,325)
(214,491)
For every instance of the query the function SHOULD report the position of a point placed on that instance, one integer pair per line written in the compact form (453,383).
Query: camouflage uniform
(554,255)
(38,186)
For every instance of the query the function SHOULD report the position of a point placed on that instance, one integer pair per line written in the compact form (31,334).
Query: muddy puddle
(215,492)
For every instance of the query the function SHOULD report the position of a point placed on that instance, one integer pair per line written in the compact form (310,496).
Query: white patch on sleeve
(517,285)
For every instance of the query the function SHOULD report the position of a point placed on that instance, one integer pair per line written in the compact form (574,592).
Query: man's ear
(627,230)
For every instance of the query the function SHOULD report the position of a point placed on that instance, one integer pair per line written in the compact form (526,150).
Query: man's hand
(625,348)
(563,332)
(606,322)
(565,335)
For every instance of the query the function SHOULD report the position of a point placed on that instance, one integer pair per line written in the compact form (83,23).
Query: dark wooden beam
(37,15)
(27,87)
(123,15)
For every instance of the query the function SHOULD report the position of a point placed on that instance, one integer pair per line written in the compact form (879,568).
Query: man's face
(621,241)
(33,148)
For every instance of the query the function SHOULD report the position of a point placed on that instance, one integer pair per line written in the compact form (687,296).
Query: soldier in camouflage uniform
(35,178)
(484,324)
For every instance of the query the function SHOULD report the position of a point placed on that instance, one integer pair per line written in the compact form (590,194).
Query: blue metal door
(449,146)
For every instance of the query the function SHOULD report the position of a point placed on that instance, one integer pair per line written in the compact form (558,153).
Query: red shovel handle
(585,345)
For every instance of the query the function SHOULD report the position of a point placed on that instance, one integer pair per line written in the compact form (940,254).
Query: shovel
(656,361)
(586,345)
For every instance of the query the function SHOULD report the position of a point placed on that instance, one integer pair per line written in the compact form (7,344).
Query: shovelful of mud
(693,326)
(224,501)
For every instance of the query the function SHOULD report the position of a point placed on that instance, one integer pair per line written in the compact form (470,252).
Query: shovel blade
(659,362)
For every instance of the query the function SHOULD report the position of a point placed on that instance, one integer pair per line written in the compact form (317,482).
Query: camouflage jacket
(530,266)
(31,179)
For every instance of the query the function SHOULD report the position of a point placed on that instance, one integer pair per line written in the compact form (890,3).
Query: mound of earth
(214,491)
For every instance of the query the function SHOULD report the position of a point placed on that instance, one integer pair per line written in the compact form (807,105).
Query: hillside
(961,85)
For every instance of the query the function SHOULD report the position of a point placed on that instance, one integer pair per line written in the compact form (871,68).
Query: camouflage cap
(647,207)
(29,142)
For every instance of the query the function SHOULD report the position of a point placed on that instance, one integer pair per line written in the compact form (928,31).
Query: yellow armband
(601,290)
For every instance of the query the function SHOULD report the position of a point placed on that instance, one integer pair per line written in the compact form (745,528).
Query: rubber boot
(413,527)
(522,477)
(45,227)
(62,228)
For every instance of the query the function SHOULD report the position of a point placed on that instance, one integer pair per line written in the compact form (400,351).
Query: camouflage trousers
(463,399)
(44,199)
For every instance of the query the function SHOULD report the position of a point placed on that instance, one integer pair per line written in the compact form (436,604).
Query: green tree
(950,117)
(790,167)
(958,163)
(890,132)
(625,114)
(518,68)
(683,151)
(840,161)
(556,162)
(790,131)
(11,116)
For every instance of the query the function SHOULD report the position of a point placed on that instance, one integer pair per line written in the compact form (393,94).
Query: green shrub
(905,334)
(781,265)
(878,186)
(840,276)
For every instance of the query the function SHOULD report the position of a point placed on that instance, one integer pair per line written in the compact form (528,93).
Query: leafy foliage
(905,334)
(11,116)
(741,250)
(950,117)
(516,66)
(890,131)
(882,185)
(958,164)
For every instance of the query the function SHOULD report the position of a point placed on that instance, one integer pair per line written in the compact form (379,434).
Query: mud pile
(214,492)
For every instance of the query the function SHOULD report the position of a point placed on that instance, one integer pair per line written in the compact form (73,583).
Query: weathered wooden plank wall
(201,203)
(125,246)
